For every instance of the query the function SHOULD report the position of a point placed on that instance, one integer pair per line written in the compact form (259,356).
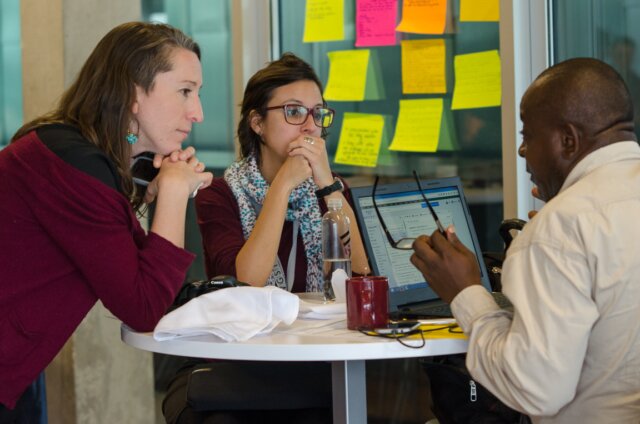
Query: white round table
(347,355)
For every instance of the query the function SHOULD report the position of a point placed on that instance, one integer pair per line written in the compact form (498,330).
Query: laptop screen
(406,215)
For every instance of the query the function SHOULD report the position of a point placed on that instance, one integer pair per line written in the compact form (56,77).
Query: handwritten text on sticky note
(423,66)
(477,80)
(418,126)
(376,22)
(360,138)
(324,21)
(347,75)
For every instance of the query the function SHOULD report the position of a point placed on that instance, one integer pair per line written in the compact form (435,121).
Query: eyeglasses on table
(404,243)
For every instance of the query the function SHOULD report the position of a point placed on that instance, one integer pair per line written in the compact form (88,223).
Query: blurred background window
(10,70)
(477,155)
(209,23)
(603,29)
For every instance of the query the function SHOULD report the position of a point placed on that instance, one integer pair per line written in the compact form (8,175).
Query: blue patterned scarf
(250,189)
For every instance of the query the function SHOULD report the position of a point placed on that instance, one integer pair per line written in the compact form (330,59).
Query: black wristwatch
(336,186)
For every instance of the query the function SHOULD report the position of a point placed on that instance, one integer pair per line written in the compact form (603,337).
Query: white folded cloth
(233,314)
(330,310)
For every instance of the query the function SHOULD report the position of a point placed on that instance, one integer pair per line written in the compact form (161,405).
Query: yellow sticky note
(423,66)
(418,126)
(423,16)
(477,78)
(347,75)
(479,10)
(360,138)
(323,21)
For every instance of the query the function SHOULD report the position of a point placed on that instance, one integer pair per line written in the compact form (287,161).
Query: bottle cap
(334,203)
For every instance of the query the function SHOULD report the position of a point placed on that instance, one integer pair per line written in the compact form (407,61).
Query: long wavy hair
(259,90)
(99,101)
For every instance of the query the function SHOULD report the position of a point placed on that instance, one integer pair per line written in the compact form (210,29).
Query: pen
(433,213)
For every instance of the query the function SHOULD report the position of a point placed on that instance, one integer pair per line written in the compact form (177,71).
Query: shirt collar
(616,152)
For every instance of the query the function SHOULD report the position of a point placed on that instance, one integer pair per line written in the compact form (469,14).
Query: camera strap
(291,263)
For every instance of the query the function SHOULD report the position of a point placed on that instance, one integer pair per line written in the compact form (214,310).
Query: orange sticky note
(423,66)
(423,16)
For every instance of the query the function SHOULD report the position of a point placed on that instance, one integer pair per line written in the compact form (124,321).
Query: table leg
(349,392)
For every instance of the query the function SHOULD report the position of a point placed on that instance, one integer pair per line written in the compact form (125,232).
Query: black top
(69,145)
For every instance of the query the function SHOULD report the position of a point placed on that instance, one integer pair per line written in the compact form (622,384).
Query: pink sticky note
(376,22)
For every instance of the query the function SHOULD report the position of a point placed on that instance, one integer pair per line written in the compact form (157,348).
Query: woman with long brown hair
(68,202)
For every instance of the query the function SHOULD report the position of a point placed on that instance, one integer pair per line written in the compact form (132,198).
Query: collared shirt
(570,352)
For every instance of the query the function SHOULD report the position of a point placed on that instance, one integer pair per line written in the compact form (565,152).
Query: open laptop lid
(406,215)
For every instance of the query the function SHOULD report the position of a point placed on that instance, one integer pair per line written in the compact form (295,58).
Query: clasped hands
(306,157)
(180,169)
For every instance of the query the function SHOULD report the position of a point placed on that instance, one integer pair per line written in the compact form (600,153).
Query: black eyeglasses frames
(295,114)
(404,243)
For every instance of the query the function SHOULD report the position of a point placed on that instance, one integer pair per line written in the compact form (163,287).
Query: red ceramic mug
(367,302)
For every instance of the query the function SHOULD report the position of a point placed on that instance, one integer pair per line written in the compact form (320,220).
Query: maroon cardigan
(67,240)
(222,236)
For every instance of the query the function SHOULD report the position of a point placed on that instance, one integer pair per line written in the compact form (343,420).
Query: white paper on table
(339,284)
(309,309)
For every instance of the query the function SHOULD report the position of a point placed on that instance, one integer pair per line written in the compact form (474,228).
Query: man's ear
(571,140)
(255,120)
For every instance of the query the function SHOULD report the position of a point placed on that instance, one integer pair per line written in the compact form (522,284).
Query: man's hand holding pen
(447,265)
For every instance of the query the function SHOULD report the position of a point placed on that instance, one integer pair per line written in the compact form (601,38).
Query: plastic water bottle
(336,247)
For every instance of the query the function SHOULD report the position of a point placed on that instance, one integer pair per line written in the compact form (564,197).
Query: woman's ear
(135,106)
(255,120)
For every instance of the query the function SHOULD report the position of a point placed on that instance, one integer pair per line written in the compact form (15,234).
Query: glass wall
(603,29)
(209,23)
(477,157)
(476,133)
(10,70)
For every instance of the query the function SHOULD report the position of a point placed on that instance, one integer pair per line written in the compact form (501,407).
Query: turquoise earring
(131,138)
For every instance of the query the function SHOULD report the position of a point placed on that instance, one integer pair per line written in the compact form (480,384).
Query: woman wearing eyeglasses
(262,223)
(279,188)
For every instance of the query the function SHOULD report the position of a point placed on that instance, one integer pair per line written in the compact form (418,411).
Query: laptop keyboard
(438,310)
(443,309)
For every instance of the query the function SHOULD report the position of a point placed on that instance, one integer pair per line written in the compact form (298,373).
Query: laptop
(406,215)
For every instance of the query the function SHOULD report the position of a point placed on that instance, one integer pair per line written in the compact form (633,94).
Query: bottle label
(345,238)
